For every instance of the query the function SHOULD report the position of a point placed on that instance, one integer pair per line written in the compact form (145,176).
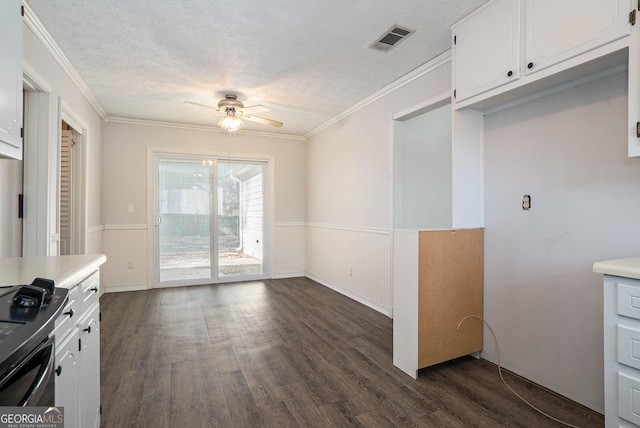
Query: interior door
(209,220)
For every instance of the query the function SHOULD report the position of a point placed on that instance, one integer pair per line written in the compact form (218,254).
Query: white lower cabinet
(67,395)
(90,367)
(77,335)
(621,351)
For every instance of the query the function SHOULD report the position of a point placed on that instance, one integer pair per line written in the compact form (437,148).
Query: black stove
(26,341)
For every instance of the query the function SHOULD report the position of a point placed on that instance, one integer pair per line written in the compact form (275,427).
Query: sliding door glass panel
(184,209)
(240,213)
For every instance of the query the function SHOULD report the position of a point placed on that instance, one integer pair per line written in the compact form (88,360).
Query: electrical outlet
(526,202)
(130,208)
(130,264)
(350,271)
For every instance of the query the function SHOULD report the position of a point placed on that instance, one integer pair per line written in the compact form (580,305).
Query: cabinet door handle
(70,313)
(88,329)
(94,289)
(530,65)
(510,73)
(59,370)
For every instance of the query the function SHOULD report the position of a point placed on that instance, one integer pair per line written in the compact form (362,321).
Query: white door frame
(36,226)
(43,116)
(78,242)
(268,226)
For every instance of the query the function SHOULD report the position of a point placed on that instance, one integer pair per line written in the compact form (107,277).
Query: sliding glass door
(209,220)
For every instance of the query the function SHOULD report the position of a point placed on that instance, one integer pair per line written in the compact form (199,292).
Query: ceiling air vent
(391,38)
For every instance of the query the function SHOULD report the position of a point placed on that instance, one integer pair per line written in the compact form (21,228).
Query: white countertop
(66,271)
(628,268)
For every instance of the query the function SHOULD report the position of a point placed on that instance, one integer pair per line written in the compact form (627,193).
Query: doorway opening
(422,167)
(68,169)
(209,221)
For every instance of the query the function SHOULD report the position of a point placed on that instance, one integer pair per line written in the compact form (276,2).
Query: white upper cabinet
(11,78)
(486,49)
(510,49)
(559,30)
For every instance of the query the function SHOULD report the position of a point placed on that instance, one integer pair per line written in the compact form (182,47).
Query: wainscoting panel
(289,250)
(94,244)
(126,249)
(353,261)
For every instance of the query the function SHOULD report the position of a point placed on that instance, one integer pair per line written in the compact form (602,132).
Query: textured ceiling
(306,61)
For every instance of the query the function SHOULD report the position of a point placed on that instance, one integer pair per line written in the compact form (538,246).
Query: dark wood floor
(288,353)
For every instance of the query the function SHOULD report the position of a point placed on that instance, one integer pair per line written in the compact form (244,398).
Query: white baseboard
(373,305)
(118,288)
(283,275)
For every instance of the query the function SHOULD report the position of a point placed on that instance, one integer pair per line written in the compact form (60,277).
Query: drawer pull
(94,289)
(59,370)
(88,329)
(70,313)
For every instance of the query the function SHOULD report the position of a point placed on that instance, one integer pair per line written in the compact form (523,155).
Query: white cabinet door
(11,78)
(559,30)
(486,49)
(90,362)
(66,385)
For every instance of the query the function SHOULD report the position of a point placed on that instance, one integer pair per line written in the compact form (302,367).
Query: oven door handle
(39,384)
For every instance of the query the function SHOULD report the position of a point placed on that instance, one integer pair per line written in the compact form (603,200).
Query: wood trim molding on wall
(426,68)
(125,227)
(95,229)
(34,24)
(207,128)
(388,311)
(349,228)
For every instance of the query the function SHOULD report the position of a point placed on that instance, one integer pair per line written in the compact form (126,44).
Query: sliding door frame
(153,154)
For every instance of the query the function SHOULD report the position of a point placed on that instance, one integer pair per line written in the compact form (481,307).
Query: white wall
(569,152)
(349,194)
(10,225)
(126,183)
(64,90)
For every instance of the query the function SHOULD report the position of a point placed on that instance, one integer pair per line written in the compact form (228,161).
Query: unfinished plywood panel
(450,276)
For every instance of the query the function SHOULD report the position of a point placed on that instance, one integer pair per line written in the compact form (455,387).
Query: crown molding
(34,24)
(416,73)
(208,128)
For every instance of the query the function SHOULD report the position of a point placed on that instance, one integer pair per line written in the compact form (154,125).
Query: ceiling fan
(233,109)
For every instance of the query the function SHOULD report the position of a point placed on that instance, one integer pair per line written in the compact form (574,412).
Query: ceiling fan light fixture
(230,122)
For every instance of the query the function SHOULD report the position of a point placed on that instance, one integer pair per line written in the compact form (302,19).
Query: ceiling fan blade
(253,109)
(199,115)
(202,105)
(261,120)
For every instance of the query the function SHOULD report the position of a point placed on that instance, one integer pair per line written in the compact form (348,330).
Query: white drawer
(629,346)
(628,300)
(69,317)
(89,291)
(629,398)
